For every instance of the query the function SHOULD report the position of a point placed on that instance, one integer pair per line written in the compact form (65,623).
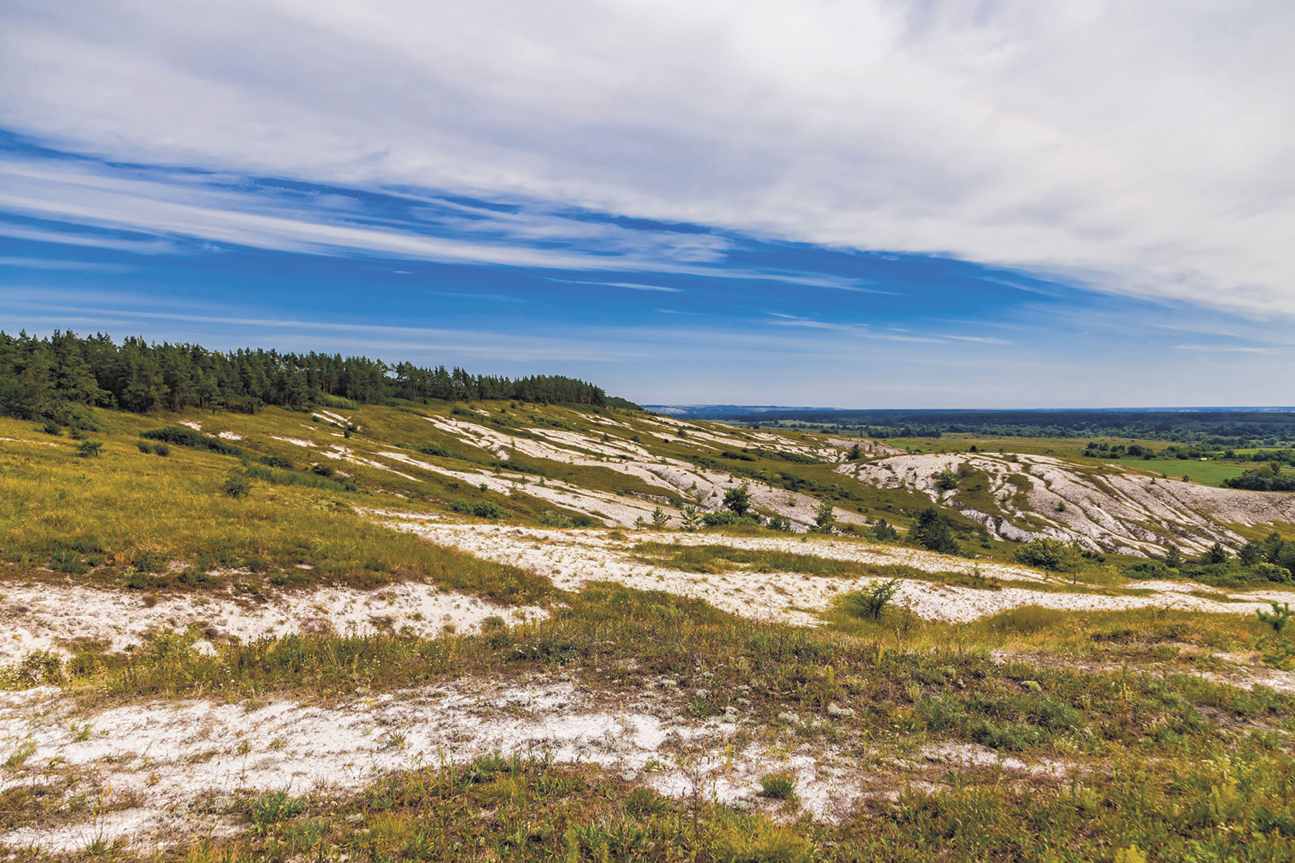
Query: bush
(50,427)
(488,509)
(161,449)
(727,518)
(480,509)
(780,524)
(1051,554)
(873,601)
(184,436)
(237,485)
(89,449)
(1149,569)
(276,461)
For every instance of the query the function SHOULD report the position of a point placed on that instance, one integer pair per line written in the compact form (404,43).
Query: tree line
(53,377)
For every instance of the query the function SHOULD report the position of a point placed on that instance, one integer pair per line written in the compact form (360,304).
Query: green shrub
(488,509)
(50,427)
(275,806)
(872,602)
(727,518)
(237,485)
(184,436)
(161,449)
(1270,572)
(1279,619)
(276,461)
(89,449)
(1051,554)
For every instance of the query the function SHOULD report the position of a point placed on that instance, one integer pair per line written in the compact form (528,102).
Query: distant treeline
(1213,428)
(51,377)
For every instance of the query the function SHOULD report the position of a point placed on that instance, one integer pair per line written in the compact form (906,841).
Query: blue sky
(684,203)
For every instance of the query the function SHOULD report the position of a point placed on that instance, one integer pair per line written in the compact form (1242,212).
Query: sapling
(1278,619)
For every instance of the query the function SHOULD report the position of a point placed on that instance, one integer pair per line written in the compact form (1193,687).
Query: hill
(386,629)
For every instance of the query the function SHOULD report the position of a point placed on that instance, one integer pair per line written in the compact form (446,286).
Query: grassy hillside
(1084,721)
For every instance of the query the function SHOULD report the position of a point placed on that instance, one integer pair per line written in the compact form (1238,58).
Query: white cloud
(1138,147)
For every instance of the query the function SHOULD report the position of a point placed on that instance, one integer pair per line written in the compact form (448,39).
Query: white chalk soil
(37,616)
(573,559)
(165,771)
(1110,509)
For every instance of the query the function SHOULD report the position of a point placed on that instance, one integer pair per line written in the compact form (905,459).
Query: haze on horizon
(868,205)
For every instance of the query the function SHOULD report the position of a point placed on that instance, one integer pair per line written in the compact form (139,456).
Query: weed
(778,786)
(19,756)
(274,806)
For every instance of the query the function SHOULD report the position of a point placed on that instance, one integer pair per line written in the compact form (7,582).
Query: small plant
(1051,554)
(237,485)
(274,806)
(276,461)
(69,562)
(873,601)
(659,518)
(883,532)
(780,524)
(691,520)
(50,427)
(1278,619)
(824,517)
(89,449)
(778,786)
(19,756)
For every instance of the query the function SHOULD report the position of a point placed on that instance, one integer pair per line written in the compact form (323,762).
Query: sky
(871,204)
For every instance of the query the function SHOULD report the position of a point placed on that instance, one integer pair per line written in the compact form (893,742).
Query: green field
(1211,473)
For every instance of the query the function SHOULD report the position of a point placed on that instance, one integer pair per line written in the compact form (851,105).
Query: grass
(1224,805)
(1210,473)
(1176,765)
(134,519)
(1146,739)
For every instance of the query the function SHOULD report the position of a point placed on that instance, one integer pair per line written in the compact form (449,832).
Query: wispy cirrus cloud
(1140,149)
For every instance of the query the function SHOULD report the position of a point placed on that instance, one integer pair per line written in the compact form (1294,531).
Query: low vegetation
(1114,735)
